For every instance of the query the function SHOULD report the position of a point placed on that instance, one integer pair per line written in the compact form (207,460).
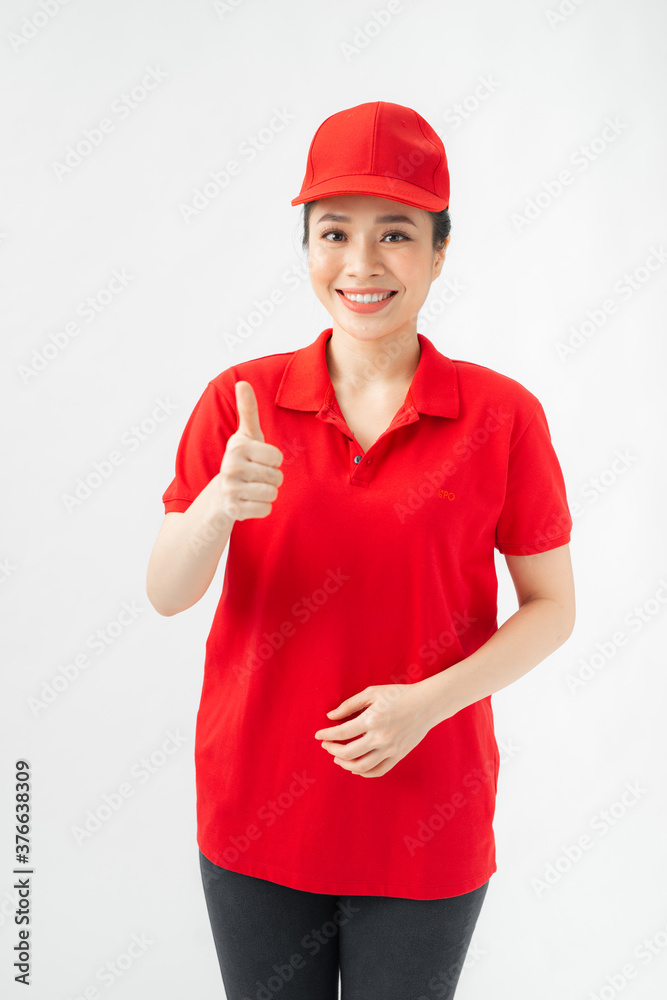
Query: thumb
(246,404)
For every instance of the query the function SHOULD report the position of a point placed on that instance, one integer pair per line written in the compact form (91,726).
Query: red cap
(379,149)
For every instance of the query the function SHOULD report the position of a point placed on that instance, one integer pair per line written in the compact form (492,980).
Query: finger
(246,404)
(264,454)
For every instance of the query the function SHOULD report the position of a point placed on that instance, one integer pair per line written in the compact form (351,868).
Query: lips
(366,308)
(385,293)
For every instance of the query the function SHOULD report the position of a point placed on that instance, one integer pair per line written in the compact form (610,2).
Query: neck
(362,365)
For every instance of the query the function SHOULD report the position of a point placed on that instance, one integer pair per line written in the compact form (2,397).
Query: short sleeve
(201,448)
(535,515)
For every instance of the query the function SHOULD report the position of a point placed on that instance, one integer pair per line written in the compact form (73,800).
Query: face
(366,252)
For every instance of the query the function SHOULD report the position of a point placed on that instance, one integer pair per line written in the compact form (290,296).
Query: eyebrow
(337,217)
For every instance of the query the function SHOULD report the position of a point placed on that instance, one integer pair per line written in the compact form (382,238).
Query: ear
(440,259)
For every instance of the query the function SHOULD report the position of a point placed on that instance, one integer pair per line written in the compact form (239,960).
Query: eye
(397,232)
(338,232)
(331,232)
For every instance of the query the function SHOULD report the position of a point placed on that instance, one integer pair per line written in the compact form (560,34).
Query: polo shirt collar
(306,385)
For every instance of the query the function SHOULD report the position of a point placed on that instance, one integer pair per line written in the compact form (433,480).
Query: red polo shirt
(373,568)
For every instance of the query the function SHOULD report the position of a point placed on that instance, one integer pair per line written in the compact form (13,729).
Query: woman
(363,483)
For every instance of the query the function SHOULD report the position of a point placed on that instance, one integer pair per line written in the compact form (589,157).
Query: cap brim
(391,188)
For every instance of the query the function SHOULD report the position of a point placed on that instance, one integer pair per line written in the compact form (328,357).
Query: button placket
(361,473)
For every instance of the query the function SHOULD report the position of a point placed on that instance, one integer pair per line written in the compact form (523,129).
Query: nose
(363,259)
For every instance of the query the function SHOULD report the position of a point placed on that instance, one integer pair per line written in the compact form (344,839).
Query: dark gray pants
(273,941)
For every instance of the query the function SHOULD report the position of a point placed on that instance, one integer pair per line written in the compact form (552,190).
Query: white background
(552,82)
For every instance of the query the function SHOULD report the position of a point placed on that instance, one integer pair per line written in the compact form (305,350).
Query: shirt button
(357,459)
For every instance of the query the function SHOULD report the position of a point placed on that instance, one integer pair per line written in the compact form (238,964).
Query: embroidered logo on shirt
(446,495)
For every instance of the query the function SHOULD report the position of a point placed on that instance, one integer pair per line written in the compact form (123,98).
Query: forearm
(533,632)
(187,552)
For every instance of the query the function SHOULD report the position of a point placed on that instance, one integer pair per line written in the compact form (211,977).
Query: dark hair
(441,226)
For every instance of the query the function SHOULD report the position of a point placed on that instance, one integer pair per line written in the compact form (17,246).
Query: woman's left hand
(394,719)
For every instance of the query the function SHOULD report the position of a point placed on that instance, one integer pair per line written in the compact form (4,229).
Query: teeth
(367,298)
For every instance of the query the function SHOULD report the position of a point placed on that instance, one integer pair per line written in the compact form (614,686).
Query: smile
(368,302)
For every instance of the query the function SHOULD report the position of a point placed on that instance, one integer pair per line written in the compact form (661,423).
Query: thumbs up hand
(249,474)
